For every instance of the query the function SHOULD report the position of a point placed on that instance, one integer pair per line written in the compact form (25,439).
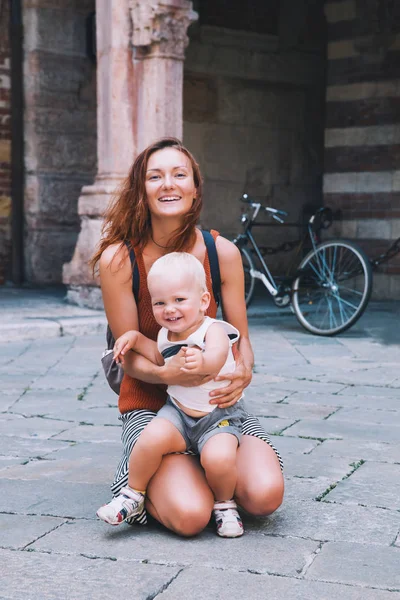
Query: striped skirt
(133,424)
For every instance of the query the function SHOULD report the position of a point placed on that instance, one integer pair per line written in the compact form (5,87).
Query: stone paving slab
(375,416)
(7,400)
(91,433)
(357,564)
(275,425)
(382,376)
(344,430)
(61,469)
(36,576)
(311,465)
(12,384)
(286,410)
(329,522)
(202,584)
(25,448)
(299,488)
(36,427)
(84,463)
(73,411)
(265,555)
(313,387)
(17,531)
(6,462)
(56,381)
(373,484)
(356,450)
(66,500)
(29,330)
(350,397)
(293,445)
(369,390)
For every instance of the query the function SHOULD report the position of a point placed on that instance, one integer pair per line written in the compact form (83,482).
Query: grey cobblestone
(332,407)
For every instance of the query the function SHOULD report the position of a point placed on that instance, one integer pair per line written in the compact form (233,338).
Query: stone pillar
(139,100)
(159,39)
(362,135)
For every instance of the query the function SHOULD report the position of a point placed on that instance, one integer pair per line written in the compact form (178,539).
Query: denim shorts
(196,431)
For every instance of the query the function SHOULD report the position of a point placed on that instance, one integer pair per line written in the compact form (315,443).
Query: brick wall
(5,145)
(362,137)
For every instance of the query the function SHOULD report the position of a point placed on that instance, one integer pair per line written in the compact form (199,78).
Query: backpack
(114,371)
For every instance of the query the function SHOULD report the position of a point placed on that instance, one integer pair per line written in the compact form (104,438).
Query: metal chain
(285,247)
(390,253)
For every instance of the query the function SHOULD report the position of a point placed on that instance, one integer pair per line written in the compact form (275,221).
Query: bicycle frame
(242,238)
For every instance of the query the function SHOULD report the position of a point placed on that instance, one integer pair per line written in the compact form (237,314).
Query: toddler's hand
(193,360)
(123,344)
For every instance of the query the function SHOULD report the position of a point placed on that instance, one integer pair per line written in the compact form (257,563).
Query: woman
(157,211)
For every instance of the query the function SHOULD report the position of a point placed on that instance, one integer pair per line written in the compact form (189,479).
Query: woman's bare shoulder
(117,252)
(227,251)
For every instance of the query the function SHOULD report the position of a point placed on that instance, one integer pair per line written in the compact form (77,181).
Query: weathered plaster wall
(253,116)
(60,131)
(5,145)
(362,137)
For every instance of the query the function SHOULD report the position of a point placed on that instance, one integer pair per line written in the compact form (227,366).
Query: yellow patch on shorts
(224,423)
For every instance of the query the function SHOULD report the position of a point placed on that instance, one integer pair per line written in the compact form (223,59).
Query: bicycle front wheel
(333,289)
(248,265)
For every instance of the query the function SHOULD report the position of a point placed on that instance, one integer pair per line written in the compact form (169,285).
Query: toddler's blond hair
(182,263)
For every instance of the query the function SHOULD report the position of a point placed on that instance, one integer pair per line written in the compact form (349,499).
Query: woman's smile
(169,183)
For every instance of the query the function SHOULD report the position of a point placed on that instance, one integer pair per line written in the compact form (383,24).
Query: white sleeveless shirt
(197,397)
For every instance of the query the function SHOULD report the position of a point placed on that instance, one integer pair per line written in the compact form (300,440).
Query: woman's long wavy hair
(128,217)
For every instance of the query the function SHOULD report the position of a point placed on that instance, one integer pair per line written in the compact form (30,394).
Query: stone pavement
(332,405)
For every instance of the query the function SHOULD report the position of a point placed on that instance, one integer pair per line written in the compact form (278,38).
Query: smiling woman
(156,213)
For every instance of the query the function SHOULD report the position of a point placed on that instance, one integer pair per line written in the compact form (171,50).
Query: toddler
(187,421)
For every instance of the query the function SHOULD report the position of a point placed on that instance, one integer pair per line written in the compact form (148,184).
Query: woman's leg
(260,485)
(178,495)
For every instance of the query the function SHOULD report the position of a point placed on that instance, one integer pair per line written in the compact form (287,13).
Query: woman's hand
(172,373)
(229,395)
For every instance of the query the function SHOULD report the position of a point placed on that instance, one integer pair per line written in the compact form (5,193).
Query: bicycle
(330,289)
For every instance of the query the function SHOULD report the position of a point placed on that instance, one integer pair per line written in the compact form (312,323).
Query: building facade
(292,101)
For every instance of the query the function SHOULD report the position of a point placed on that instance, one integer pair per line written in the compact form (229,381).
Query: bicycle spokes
(333,288)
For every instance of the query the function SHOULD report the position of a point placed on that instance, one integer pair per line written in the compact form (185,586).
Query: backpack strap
(135,274)
(214,264)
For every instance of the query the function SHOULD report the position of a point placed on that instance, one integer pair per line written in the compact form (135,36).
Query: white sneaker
(127,504)
(229,523)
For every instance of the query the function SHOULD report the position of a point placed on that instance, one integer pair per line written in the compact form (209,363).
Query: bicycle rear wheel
(333,289)
(248,265)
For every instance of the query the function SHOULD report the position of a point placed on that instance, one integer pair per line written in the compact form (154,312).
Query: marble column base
(77,274)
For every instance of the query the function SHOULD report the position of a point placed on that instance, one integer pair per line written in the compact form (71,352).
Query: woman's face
(170,187)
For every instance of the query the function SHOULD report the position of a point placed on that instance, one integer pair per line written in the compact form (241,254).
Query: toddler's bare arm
(211,360)
(136,341)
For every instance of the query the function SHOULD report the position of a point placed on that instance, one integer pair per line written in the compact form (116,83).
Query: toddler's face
(178,303)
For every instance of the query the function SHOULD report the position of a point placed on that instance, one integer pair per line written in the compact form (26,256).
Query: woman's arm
(234,311)
(122,316)
(121,310)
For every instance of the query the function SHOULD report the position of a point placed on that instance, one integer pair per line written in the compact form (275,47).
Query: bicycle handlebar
(257,205)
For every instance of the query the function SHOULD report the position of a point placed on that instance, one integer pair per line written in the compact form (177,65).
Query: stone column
(159,39)
(139,100)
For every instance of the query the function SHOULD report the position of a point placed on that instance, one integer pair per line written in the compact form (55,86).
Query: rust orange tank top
(135,394)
